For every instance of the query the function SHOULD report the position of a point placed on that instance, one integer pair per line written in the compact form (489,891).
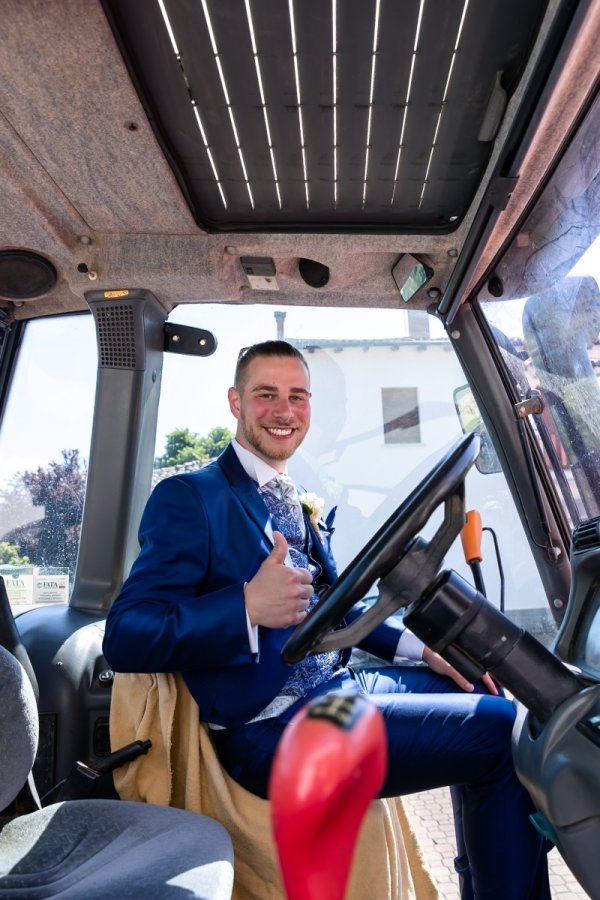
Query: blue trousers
(437,736)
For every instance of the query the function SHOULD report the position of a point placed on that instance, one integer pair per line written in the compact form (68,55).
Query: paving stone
(430,814)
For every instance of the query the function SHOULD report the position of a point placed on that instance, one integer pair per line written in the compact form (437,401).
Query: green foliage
(59,488)
(183,445)
(9,555)
(215,441)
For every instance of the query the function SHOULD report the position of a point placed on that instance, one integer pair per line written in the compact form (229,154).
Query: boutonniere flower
(313,507)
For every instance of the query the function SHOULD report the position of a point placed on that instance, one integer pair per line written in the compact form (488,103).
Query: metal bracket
(532,406)
(188,340)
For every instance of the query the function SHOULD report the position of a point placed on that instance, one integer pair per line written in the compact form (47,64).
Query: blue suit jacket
(202,535)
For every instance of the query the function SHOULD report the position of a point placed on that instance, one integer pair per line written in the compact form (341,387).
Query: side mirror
(470,419)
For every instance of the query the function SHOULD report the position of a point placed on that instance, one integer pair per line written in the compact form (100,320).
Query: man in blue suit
(230,564)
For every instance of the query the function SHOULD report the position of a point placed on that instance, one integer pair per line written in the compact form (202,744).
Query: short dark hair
(265,348)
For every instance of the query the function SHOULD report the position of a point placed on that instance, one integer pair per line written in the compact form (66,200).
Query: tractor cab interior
(415,187)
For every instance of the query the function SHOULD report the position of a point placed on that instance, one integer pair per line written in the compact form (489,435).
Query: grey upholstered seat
(18,727)
(96,849)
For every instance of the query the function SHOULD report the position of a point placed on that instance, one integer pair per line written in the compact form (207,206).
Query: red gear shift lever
(329,765)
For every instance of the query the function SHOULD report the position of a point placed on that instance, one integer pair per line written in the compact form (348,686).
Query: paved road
(431,817)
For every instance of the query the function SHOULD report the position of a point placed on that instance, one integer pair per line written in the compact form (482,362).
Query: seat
(183,771)
(97,849)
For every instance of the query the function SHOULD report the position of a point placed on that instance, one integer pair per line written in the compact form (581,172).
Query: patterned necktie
(284,489)
(314,670)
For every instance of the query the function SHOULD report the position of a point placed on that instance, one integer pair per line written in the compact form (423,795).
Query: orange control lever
(471,537)
(329,765)
(471,540)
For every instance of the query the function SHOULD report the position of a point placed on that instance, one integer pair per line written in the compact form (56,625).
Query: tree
(60,489)
(9,555)
(215,441)
(183,445)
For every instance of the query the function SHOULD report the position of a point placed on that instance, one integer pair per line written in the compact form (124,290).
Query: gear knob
(330,763)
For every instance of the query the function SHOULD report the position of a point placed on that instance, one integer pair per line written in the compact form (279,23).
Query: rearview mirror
(410,274)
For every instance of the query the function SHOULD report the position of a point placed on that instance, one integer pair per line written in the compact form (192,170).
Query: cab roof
(158,143)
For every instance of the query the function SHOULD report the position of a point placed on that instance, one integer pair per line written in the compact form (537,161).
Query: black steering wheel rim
(387,546)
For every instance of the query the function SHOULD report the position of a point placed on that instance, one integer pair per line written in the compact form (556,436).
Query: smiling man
(230,563)
(271,401)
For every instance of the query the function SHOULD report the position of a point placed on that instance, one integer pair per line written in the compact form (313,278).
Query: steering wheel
(402,576)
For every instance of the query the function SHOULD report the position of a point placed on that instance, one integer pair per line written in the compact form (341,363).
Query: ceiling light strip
(431,152)
(262,98)
(171,34)
(227,100)
(444,99)
(334,96)
(168,26)
(371,95)
(411,74)
(298,98)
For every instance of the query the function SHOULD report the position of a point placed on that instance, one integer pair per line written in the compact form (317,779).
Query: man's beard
(266,446)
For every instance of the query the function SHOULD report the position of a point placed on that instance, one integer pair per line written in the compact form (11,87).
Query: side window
(44,446)
(401,424)
(547,324)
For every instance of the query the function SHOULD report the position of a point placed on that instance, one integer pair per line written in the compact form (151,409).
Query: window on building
(401,424)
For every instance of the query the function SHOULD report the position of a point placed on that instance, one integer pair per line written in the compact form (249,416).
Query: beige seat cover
(182,770)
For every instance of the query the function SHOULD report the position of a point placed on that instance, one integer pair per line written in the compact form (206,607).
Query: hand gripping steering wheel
(406,565)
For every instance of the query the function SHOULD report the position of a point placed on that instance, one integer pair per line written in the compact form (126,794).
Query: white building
(383,414)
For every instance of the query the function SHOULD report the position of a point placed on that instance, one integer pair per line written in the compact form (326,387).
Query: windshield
(547,321)
(384,410)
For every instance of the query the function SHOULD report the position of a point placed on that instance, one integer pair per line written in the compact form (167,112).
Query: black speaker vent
(116,330)
(586,536)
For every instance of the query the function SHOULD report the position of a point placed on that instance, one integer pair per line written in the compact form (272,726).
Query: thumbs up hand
(278,595)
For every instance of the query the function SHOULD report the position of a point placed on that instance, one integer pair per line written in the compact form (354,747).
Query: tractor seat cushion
(107,849)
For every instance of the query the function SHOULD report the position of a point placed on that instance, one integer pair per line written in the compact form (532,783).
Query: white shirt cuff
(252,634)
(409,647)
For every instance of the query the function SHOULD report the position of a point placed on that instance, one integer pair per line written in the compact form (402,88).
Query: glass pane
(547,323)
(44,444)
(355,357)
(400,415)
